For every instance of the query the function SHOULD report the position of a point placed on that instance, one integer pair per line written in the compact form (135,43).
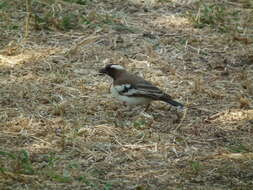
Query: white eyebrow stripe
(119,67)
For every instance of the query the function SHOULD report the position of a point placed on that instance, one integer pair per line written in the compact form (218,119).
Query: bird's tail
(168,99)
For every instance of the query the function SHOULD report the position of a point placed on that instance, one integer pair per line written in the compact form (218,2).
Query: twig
(182,119)
(27,18)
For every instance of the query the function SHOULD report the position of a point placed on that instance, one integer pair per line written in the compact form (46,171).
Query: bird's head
(112,70)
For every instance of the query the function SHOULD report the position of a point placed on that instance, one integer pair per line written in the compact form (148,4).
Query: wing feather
(137,86)
(140,90)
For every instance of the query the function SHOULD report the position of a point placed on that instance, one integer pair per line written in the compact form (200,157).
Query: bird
(135,90)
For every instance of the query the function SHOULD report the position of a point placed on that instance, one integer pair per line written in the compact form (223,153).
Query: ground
(61,129)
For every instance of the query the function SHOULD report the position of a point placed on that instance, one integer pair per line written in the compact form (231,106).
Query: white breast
(128,100)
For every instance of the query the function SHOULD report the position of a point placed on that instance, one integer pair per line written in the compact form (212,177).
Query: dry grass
(59,128)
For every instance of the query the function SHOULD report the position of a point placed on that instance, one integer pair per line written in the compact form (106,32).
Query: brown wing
(132,85)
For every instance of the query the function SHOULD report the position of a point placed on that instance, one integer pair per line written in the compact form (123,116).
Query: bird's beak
(102,71)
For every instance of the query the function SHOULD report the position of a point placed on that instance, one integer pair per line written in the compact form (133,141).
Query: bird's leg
(146,109)
(126,106)
(119,114)
(125,109)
